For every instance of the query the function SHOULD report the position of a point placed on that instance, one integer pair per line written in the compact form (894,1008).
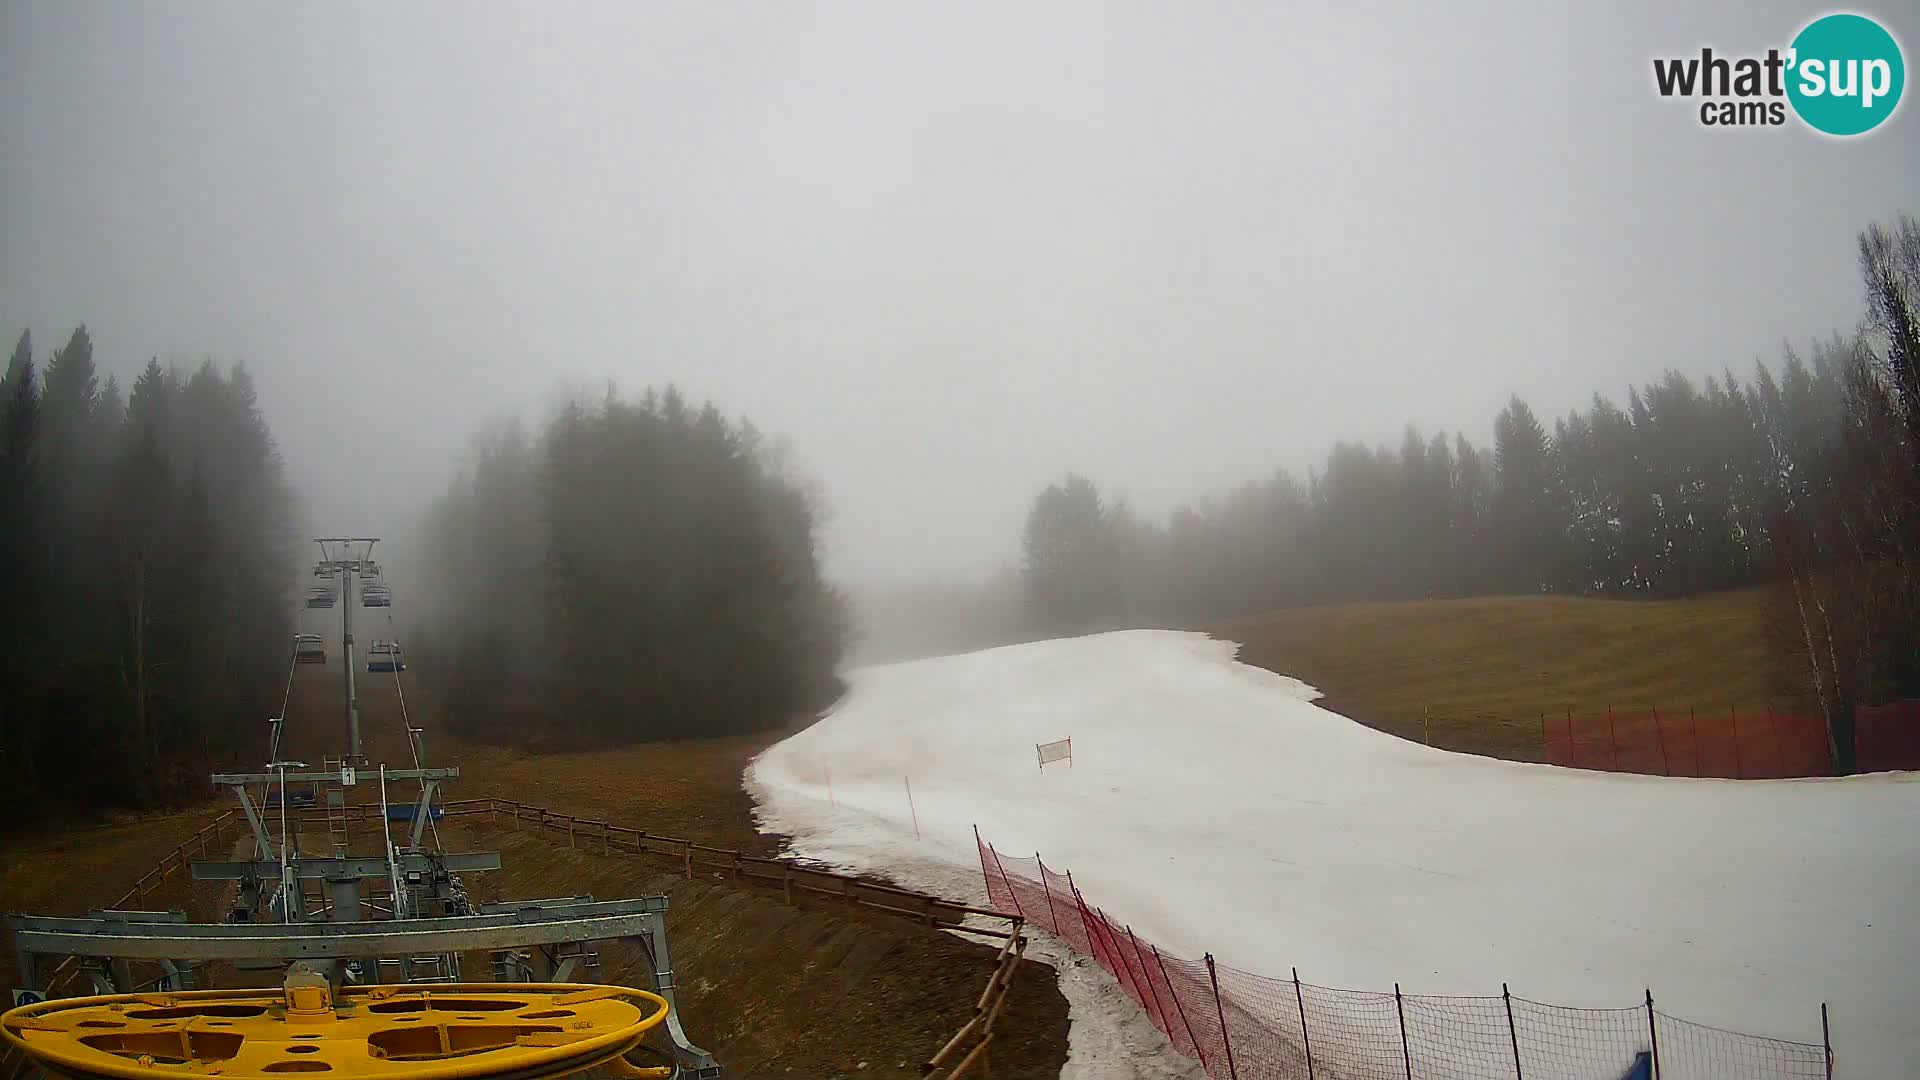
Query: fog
(948,252)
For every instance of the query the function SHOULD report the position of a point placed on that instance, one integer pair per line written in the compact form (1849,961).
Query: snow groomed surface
(1214,808)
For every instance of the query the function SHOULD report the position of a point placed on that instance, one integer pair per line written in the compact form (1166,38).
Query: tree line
(1802,476)
(635,570)
(146,539)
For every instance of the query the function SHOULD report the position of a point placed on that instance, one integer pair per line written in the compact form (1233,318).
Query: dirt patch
(813,990)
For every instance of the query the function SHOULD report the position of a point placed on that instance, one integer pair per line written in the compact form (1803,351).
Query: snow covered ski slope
(1210,805)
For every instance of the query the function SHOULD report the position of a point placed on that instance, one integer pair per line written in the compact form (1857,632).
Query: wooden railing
(979,1030)
(593,835)
(791,878)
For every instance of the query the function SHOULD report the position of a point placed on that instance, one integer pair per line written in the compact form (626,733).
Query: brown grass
(1483,671)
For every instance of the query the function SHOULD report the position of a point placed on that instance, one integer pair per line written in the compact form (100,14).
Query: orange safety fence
(1729,743)
(1244,1026)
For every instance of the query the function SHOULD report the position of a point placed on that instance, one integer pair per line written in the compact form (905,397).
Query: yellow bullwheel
(481,1031)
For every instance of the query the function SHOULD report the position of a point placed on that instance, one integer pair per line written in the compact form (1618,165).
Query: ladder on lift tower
(336,812)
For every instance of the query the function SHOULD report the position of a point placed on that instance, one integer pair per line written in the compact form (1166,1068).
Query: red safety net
(1887,737)
(1242,1026)
(1737,745)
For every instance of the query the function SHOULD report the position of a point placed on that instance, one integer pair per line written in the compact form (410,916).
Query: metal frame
(564,931)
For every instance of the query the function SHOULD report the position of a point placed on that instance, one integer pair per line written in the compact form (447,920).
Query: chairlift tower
(343,557)
(334,947)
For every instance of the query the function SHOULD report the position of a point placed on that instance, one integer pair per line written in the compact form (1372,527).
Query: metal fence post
(1653,1035)
(1660,729)
(1221,1011)
(1177,1007)
(1512,1033)
(1305,1040)
(1399,1010)
(1613,737)
(1573,748)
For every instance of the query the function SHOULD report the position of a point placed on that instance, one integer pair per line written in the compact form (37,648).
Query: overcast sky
(951,251)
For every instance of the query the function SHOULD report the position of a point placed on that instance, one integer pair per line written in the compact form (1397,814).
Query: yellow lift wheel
(453,1031)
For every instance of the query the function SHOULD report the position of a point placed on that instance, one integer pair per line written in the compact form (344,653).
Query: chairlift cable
(406,724)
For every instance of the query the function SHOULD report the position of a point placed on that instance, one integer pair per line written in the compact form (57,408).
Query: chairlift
(385,656)
(309,649)
(320,596)
(376,596)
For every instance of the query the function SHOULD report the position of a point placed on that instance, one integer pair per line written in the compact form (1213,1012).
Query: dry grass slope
(1484,670)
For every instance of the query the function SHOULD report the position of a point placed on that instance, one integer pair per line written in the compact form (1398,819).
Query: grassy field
(1483,671)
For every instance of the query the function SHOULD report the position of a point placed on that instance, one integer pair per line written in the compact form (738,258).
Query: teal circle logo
(1845,74)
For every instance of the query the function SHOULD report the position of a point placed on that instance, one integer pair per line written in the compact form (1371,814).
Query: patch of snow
(1214,808)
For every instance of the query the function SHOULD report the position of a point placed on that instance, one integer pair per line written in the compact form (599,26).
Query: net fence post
(1513,1034)
(1573,752)
(1124,970)
(1660,729)
(1826,1039)
(1653,1035)
(1152,992)
(1048,889)
(1178,1008)
(1006,881)
(1739,765)
(1085,926)
(1613,737)
(1305,1041)
(1220,1010)
(1399,1010)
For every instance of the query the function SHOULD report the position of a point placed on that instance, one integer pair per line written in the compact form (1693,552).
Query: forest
(1801,478)
(636,570)
(147,535)
(639,571)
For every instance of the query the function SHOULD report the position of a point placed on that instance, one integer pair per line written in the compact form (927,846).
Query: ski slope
(1215,809)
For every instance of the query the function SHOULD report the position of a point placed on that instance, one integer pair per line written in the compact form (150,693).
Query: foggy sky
(950,251)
